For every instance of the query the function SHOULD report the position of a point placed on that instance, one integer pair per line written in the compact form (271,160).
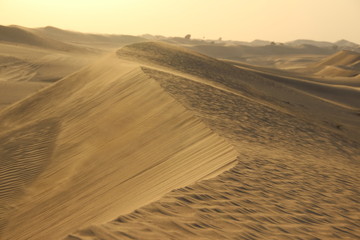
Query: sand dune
(295,178)
(87,39)
(11,92)
(306,96)
(337,71)
(236,52)
(342,64)
(355,65)
(341,58)
(280,56)
(108,141)
(112,140)
(21,36)
(35,63)
(335,93)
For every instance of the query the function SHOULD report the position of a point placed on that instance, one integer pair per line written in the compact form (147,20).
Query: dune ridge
(343,57)
(294,95)
(22,36)
(295,178)
(30,61)
(153,118)
(341,64)
(122,142)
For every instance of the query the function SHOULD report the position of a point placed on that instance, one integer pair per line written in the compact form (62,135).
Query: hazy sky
(276,20)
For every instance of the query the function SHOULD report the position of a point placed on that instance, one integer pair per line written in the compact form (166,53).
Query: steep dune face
(270,89)
(177,58)
(99,143)
(295,178)
(123,132)
(182,61)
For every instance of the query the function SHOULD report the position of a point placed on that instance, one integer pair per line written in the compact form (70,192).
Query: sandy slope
(21,36)
(87,39)
(279,56)
(341,58)
(11,92)
(315,100)
(28,57)
(121,133)
(295,178)
(47,55)
(337,71)
(25,69)
(327,101)
(99,143)
(341,64)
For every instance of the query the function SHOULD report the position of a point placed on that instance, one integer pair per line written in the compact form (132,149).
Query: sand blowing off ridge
(118,135)
(98,143)
(295,178)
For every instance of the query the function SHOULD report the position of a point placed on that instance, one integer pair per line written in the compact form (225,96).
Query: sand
(341,64)
(115,141)
(29,62)
(294,179)
(155,141)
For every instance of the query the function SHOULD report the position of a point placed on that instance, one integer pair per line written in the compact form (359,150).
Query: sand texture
(294,179)
(156,141)
(116,141)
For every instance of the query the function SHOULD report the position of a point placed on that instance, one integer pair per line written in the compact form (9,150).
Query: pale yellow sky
(276,20)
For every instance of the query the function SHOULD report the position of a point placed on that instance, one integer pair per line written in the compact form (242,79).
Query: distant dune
(338,71)
(21,36)
(95,40)
(342,64)
(300,42)
(280,55)
(237,52)
(343,58)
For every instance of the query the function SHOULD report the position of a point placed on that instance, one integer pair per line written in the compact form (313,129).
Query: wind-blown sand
(111,140)
(29,62)
(107,142)
(294,179)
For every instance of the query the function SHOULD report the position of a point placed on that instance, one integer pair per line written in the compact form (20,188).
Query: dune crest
(295,178)
(122,143)
(341,64)
(133,134)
